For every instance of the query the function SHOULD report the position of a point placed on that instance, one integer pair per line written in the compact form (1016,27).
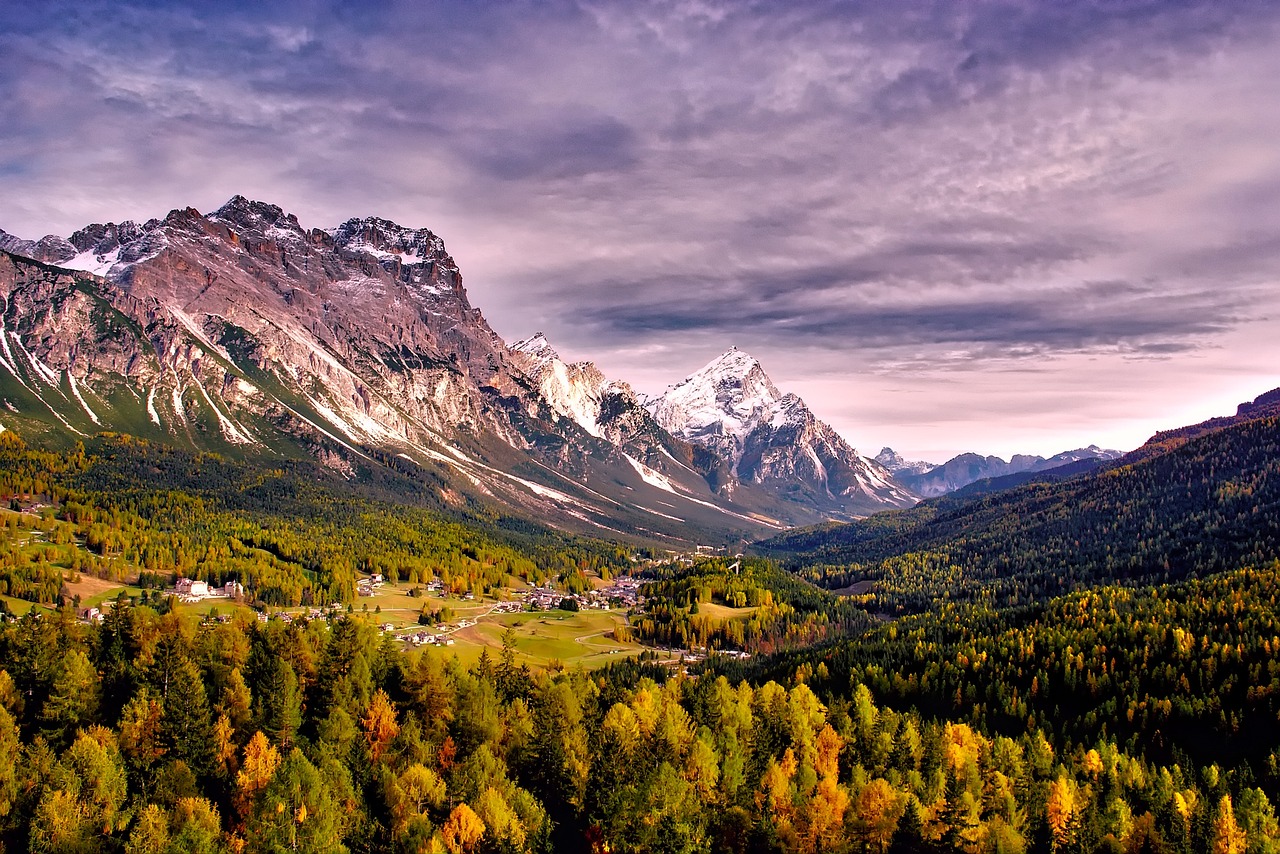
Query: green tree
(296,811)
(187,725)
(280,704)
(74,698)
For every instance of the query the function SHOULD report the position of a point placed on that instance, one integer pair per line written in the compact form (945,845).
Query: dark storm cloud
(1123,315)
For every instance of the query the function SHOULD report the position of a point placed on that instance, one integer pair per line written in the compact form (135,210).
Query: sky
(1002,227)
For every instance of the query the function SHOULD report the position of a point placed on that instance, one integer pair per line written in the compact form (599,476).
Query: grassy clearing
(723,613)
(20,606)
(94,591)
(543,637)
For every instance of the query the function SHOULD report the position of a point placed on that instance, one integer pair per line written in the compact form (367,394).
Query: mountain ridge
(244,332)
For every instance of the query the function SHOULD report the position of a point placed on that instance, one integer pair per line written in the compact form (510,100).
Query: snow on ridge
(230,429)
(151,407)
(535,345)
(75,389)
(650,476)
(91,262)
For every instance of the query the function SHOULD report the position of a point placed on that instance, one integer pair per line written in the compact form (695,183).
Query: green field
(543,638)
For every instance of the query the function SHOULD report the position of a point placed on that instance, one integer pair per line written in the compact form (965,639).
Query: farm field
(542,637)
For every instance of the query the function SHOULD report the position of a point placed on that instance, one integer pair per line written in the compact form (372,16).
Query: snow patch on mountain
(574,391)
(649,476)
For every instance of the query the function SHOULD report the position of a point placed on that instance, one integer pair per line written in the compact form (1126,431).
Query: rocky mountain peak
(726,398)
(101,239)
(733,409)
(537,346)
(897,464)
(385,239)
(259,219)
(51,249)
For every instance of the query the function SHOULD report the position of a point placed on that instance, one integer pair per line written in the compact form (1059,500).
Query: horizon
(999,227)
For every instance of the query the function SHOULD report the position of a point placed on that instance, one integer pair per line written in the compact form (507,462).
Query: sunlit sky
(1007,227)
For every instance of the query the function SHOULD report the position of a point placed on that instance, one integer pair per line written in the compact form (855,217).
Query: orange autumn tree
(462,830)
(380,725)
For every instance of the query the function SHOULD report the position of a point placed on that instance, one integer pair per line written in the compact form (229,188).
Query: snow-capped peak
(535,345)
(727,398)
(732,408)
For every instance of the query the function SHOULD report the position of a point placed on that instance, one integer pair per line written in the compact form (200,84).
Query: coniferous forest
(1084,666)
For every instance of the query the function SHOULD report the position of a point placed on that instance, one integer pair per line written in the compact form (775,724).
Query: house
(192,587)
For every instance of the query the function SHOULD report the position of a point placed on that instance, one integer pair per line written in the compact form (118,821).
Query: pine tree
(908,838)
(187,725)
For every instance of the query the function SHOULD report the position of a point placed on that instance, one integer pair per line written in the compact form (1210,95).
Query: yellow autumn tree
(877,811)
(827,762)
(823,817)
(379,724)
(261,759)
(224,745)
(412,792)
(500,820)
(776,795)
(1061,809)
(1228,838)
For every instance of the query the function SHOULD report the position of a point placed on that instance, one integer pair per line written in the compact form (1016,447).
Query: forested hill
(291,533)
(1208,503)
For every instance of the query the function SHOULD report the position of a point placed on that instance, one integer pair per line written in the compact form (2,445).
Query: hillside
(1205,504)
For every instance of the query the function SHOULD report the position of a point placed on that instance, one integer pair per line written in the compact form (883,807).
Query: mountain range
(929,481)
(243,332)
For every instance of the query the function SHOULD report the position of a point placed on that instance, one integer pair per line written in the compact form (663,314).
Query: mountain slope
(1207,504)
(245,333)
(774,441)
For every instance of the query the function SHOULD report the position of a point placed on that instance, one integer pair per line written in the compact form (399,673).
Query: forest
(154,733)
(1080,666)
(290,534)
(1201,506)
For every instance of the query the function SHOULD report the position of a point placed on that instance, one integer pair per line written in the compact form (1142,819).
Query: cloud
(973,189)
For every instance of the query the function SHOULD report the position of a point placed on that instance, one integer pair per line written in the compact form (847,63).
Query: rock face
(773,440)
(244,332)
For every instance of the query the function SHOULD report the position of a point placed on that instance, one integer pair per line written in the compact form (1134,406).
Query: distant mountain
(896,465)
(773,440)
(964,469)
(1009,481)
